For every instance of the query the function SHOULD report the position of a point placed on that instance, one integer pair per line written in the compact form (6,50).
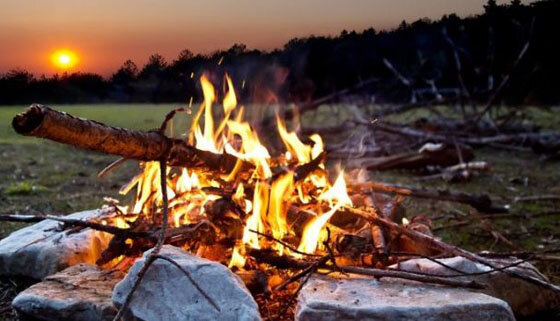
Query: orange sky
(104,33)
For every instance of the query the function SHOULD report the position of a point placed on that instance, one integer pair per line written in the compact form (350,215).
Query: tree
(185,55)
(403,25)
(516,3)
(490,6)
(126,73)
(155,66)
(237,49)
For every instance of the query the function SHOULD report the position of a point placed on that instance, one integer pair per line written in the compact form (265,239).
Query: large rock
(81,293)
(42,249)
(357,298)
(524,298)
(165,293)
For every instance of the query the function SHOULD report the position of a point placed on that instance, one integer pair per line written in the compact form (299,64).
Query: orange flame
(271,197)
(337,196)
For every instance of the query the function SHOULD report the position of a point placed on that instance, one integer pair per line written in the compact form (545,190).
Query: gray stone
(165,293)
(524,298)
(358,298)
(42,249)
(81,292)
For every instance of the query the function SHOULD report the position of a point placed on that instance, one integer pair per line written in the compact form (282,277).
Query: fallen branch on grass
(476,141)
(481,202)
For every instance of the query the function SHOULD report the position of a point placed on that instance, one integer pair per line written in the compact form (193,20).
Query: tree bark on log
(42,121)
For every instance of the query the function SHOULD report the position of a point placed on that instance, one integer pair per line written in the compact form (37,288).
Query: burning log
(302,171)
(42,121)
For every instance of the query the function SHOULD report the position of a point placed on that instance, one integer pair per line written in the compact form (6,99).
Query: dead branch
(272,258)
(463,90)
(446,156)
(378,273)
(111,167)
(536,198)
(506,78)
(459,172)
(446,248)
(480,202)
(171,235)
(476,141)
(42,121)
(124,232)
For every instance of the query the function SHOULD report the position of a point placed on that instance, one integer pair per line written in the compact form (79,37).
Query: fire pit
(276,219)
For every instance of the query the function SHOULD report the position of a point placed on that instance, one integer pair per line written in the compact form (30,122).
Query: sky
(105,33)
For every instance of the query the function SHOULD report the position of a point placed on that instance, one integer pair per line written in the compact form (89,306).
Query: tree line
(416,60)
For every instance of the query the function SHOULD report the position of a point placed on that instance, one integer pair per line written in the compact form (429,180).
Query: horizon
(106,36)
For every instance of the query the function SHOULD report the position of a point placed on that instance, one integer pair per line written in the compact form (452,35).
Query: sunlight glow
(64,59)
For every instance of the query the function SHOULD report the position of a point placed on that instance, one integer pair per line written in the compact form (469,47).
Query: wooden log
(42,121)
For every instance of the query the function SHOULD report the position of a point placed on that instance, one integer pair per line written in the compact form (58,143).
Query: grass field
(38,176)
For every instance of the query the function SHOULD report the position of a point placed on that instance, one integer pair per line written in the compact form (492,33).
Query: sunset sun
(64,59)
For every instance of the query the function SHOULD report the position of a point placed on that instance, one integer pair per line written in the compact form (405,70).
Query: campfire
(246,200)
(219,192)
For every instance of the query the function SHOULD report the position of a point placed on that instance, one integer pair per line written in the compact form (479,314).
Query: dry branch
(124,232)
(480,202)
(446,248)
(283,262)
(446,156)
(506,78)
(171,235)
(42,121)
(477,141)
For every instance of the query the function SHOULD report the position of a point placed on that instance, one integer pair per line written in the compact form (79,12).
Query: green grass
(24,188)
(39,176)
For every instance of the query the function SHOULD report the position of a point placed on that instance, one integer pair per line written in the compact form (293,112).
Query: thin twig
(446,248)
(436,279)
(507,77)
(74,222)
(111,167)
